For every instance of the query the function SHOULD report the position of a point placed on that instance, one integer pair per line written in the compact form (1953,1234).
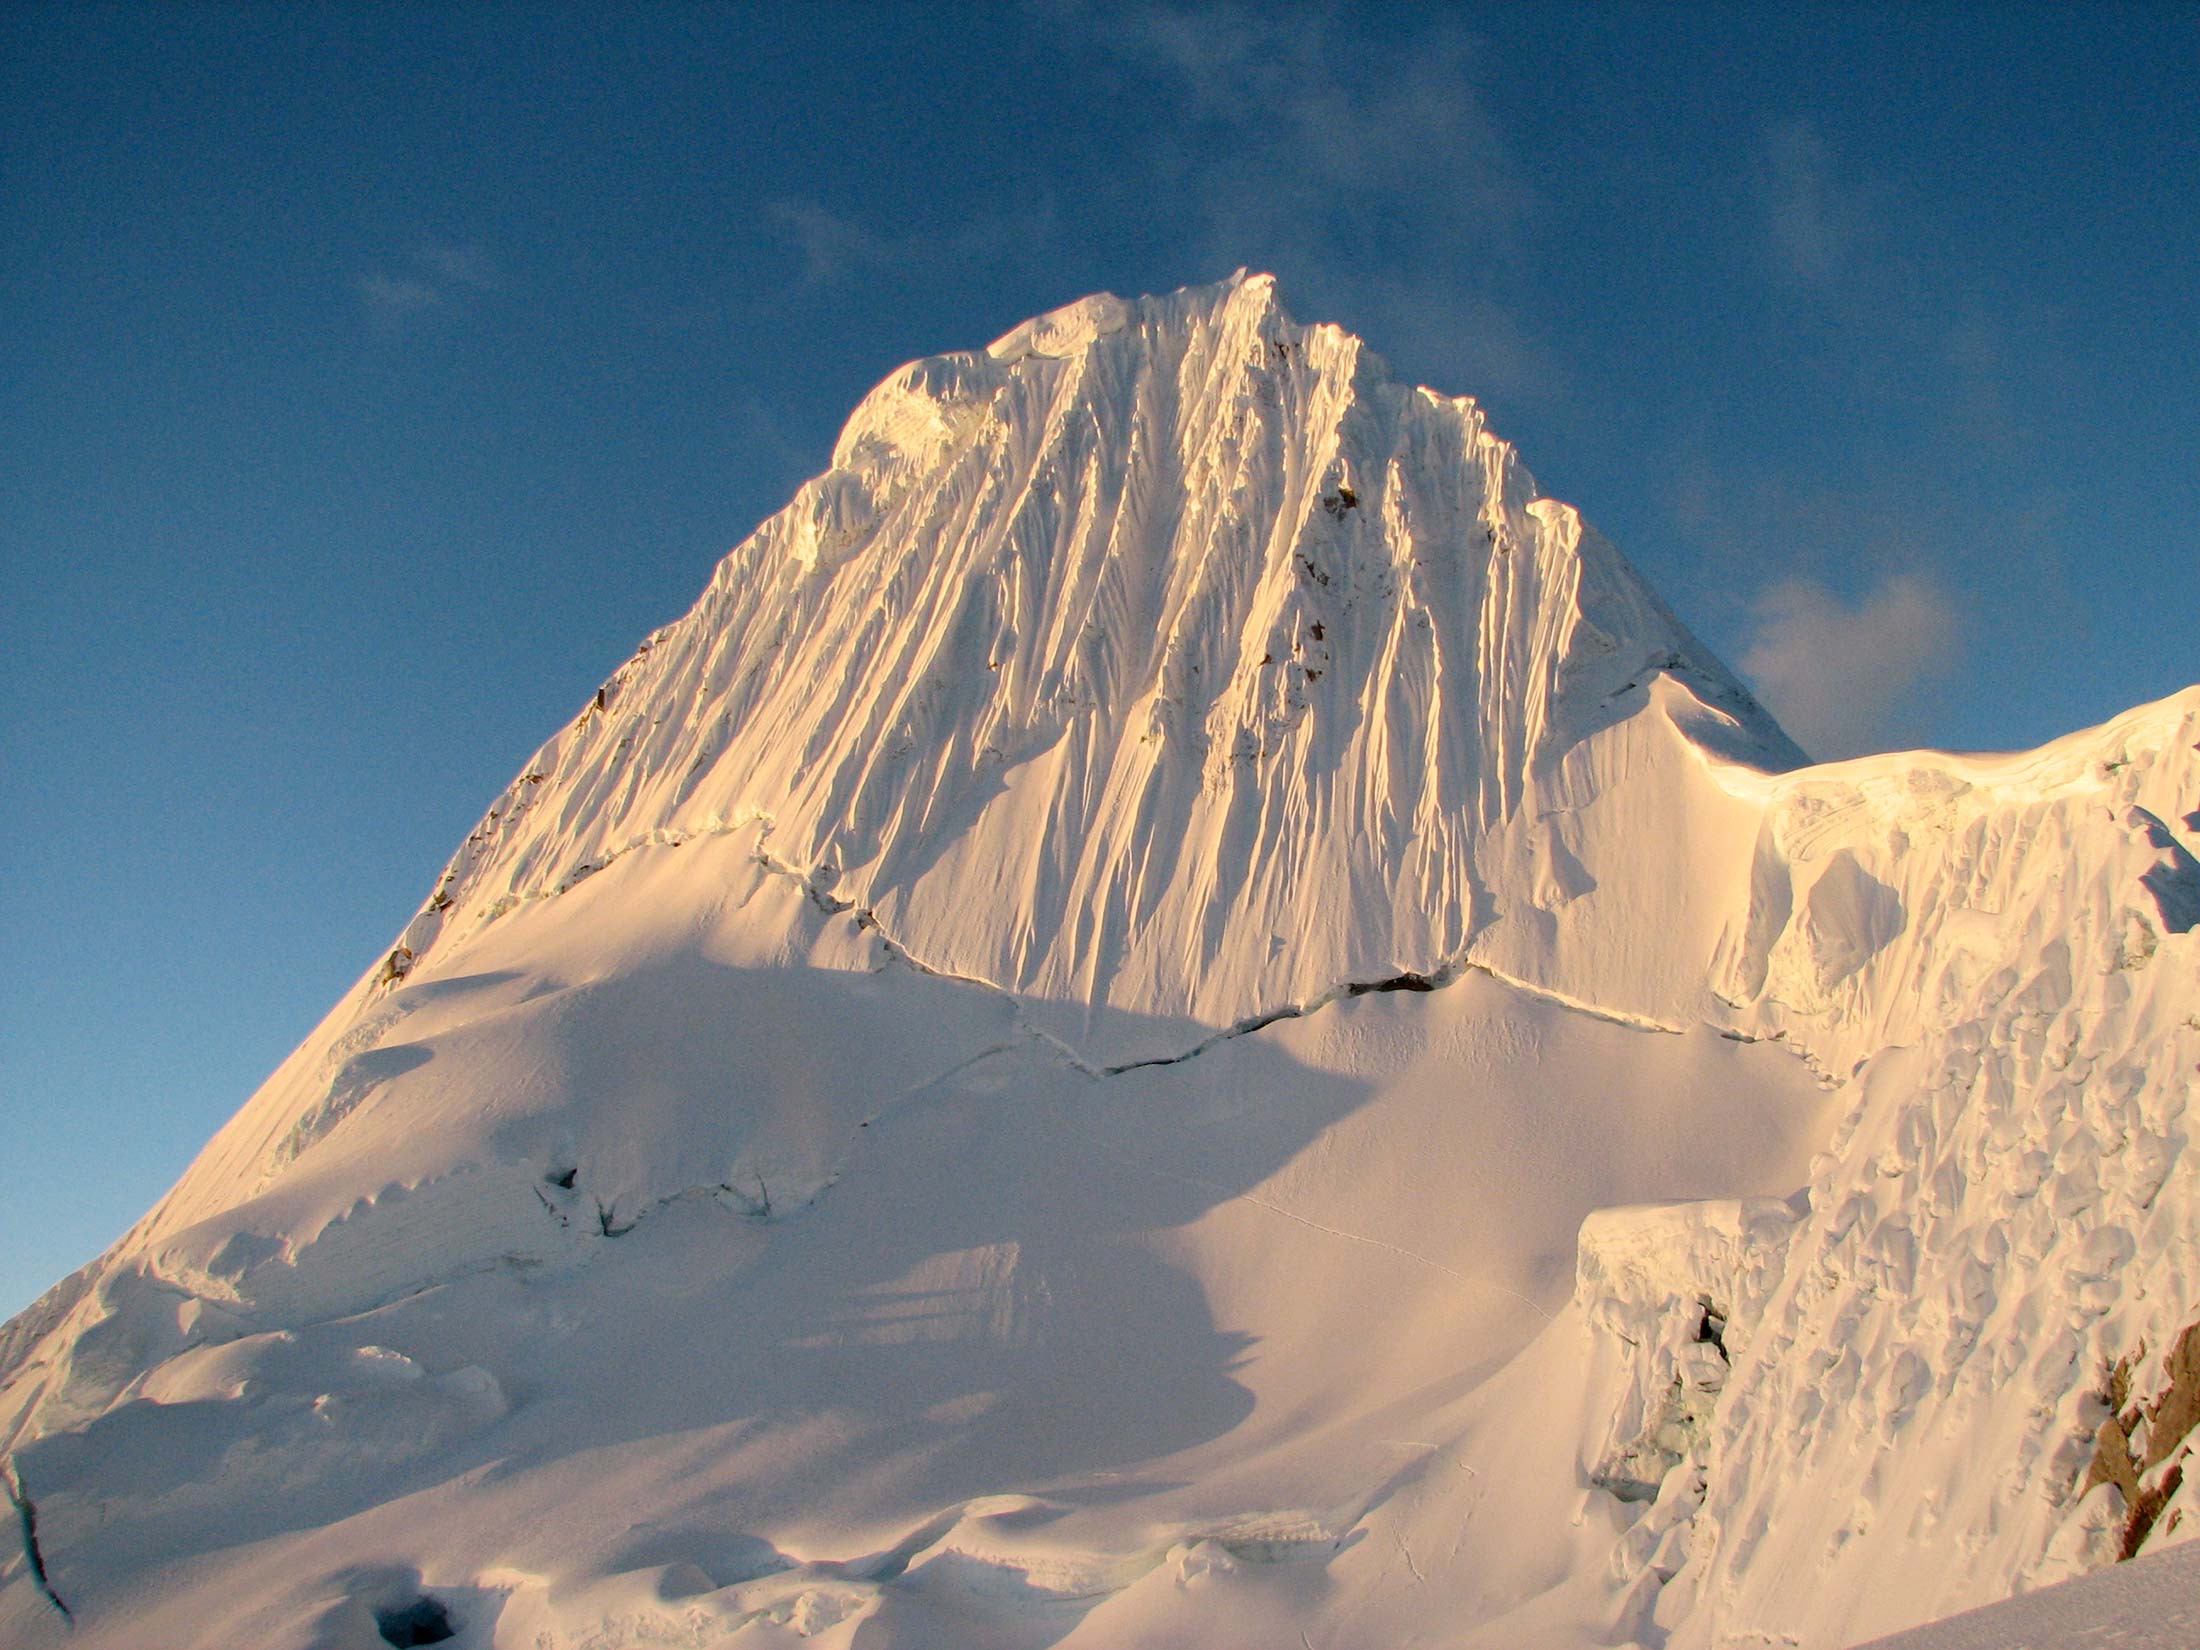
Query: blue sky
(372,379)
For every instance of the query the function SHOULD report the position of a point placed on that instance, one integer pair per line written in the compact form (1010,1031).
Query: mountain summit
(1166,656)
(1177,1013)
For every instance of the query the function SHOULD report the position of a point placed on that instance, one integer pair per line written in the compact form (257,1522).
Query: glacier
(1179,1012)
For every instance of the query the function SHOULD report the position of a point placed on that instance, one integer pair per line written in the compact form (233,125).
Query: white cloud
(1844,679)
(830,244)
(1356,159)
(1814,222)
(430,278)
(393,297)
(459,264)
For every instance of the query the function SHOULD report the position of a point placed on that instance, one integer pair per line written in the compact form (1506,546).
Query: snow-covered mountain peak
(1063,332)
(1244,302)
(1165,657)
(1171,1016)
(909,420)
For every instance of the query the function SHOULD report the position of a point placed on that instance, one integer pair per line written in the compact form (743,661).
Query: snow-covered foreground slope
(1177,1014)
(1014,1337)
(2153,1604)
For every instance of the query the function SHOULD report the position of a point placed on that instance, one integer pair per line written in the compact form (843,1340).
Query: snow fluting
(1178,1013)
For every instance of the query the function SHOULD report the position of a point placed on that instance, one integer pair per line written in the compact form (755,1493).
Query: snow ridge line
(1577,1005)
(867,919)
(1447,973)
(26,1515)
(817,891)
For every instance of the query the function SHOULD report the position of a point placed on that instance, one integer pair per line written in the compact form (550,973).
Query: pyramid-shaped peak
(1068,614)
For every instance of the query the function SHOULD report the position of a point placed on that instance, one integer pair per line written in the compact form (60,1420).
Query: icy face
(1916,1370)
(1168,657)
(2006,1209)
(1178,1012)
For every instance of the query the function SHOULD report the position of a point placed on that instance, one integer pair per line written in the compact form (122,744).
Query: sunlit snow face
(1164,956)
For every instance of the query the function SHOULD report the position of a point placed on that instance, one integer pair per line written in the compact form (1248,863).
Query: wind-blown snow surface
(1177,1014)
(2153,1604)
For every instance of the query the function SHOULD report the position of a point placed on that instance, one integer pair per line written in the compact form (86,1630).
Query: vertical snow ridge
(1158,630)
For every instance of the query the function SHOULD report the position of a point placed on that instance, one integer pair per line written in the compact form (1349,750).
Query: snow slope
(1177,1013)
(2154,1604)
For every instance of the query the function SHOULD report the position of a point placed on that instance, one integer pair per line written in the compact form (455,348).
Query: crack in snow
(26,1515)
(814,886)
(1406,1553)
(867,919)
(1447,974)
(1443,975)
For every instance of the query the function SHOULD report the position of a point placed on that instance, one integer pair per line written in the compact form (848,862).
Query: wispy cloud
(429,277)
(1843,678)
(834,246)
(777,461)
(1813,219)
(393,297)
(1355,157)
(1357,160)
(1908,337)
(1335,108)
(459,264)
(830,244)
(1926,475)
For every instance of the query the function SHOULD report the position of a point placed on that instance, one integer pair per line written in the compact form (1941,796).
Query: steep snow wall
(2008,1207)
(1168,657)
(1998,956)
